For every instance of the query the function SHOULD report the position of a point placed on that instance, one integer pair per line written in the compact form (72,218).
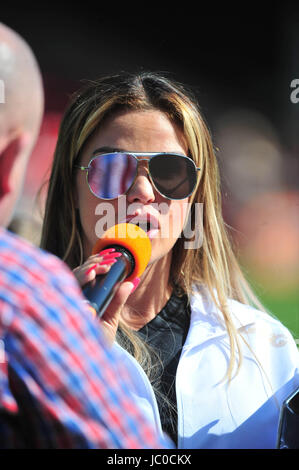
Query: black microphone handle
(101,290)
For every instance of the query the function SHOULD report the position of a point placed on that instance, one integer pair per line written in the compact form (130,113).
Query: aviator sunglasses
(111,175)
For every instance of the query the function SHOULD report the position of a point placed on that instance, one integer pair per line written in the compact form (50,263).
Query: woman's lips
(142,220)
(152,233)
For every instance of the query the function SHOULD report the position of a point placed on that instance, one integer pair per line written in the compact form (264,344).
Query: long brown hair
(214,264)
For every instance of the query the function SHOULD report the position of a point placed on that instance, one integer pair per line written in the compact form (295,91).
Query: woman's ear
(75,192)
(75,199)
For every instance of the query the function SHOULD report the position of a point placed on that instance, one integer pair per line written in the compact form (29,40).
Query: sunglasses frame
(140,156)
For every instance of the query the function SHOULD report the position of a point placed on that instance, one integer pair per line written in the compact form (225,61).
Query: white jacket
(213,413)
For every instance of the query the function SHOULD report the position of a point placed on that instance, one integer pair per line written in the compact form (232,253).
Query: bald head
(21,111)
(23,89)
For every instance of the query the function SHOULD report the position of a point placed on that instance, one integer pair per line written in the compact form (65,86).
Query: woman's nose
(142,189)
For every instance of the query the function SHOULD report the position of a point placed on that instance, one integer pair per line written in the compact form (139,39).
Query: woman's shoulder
(247,319)
(261,326)
(261,336)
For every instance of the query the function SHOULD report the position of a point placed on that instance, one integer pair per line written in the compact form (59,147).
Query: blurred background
(240,63)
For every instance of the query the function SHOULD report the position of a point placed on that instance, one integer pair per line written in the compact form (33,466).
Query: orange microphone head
(132,238)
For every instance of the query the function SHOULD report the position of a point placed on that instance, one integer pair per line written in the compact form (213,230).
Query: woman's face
(135,131)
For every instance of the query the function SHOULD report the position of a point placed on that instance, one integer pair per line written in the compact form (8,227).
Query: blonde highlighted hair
(214,264)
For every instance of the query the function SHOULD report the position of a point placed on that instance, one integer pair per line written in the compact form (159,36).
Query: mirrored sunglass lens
(173,176)
(112,174)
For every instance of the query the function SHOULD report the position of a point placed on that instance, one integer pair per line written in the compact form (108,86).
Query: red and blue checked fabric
(60,385)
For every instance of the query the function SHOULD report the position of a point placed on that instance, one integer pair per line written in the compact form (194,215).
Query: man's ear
(15,147)
(8,157)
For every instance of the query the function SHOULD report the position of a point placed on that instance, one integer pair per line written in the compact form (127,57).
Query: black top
(166,334)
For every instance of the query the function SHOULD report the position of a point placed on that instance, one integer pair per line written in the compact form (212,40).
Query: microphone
(135,248)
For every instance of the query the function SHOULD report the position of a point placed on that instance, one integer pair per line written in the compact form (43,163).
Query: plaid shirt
(60,385)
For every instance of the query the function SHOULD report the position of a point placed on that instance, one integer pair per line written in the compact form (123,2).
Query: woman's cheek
(176,219)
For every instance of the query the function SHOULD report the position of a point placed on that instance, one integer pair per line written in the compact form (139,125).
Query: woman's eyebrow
(107,149)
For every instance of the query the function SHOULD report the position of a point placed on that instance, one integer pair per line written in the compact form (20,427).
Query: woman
(219,367)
